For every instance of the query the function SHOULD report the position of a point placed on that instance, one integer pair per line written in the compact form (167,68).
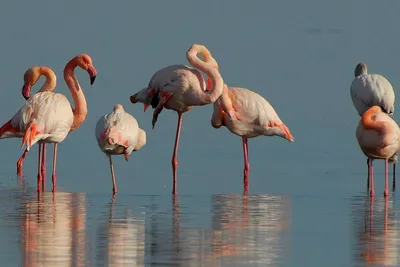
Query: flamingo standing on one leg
(379,138)
(179,87)
(369,90)
(47,117)
(118,133)
(250,116)
(31,76)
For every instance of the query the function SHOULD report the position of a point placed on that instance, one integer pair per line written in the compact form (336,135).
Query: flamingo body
(378,136)
(255,115)
(118,133)
(51,115)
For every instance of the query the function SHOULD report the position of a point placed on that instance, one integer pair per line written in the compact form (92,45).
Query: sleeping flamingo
(48,117)
(369,90)
(118,133)
(31,77)
(379,138)
(179,87)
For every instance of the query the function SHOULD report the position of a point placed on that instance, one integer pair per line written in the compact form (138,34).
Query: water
(307,203)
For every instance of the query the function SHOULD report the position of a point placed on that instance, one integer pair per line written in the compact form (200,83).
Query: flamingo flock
(48,117)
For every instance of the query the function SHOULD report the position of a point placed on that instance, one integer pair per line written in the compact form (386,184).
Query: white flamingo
(118,133)
(179,88)
(48,117)
(31,76)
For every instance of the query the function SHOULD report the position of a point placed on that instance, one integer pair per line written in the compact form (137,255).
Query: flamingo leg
(368,174)
(53,176)
(394,176)
(115,190)
(43,166)
(386,192)
(246,164)
(39,176)
(174,156)
(20,162)
(371,177)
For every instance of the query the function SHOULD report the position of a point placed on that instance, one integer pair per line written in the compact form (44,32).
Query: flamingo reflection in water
(121,239)
(53,230)
(379,238)
(245,230)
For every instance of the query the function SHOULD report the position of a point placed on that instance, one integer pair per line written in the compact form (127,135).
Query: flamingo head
(85,62)
(31,76)
(144,96)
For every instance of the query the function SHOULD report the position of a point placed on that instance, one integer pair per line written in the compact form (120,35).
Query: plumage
(179,88)
(379,138)
(369,90)
(118,133)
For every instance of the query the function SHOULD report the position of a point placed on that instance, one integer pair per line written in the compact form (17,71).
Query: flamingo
(369,90)
(118,133)
(179,88)
(379,138)
(48,117)
(31,76)
(250,116)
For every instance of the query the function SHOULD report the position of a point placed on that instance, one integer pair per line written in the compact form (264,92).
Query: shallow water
(307,203)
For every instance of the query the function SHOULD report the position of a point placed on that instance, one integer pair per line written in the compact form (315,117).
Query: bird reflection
(53,230)
(379,239)
(121,239)
(244,230)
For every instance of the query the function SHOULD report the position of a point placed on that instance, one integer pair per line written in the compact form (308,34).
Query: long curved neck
(369,123)
(217,81)
(51,80)
(80,110)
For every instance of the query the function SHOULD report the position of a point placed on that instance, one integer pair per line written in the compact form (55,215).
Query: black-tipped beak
(92,79)
(26,91)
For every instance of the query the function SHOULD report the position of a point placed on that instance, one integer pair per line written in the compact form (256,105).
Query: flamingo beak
(26,91)
(146,106)
(92,73)
(126,155)
(133,98)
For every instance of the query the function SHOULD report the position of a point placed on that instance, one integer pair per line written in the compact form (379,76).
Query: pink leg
(246,164)
(20,162)
(394,177)
(386,192)
(174,156)
(53,176)
(371,178)
(43,166)
(115,190)
(368,174)
(39,176)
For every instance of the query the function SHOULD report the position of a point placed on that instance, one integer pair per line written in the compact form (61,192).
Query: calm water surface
(307,203)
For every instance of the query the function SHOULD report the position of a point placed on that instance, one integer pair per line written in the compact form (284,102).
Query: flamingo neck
(80,109)
(51,80)
(368,120)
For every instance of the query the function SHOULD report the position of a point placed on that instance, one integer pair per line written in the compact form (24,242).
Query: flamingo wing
(368,90)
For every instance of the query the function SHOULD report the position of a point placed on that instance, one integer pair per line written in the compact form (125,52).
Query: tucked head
(85,62)
(360,69)
(118,106)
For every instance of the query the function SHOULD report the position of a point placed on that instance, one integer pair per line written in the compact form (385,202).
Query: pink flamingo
(48,117)
(379,138)
(118,133)
(250,115)
(179,88)
(31,77)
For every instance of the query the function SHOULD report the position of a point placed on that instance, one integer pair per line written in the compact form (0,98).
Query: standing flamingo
(118,133)
(31,76)
(179,88)
(47,117)
(369,90)
(379,138)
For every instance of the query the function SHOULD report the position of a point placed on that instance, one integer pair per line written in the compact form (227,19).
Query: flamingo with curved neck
(47,117)
(179,88)
(379,138)
(31,76)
